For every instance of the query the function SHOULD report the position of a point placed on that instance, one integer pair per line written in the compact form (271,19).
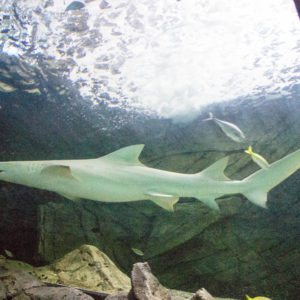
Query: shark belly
(125,184)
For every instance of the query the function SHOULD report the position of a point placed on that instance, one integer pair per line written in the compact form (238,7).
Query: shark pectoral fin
(58,171)
(210,202)
(259,198)
(73,198)
(216,170)
(163,200)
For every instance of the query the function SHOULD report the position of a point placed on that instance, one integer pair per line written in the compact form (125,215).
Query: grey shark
(121,177)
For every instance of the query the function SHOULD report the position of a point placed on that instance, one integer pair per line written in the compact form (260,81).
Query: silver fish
(231,130)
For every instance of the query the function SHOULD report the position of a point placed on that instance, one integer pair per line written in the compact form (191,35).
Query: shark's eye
(1,171)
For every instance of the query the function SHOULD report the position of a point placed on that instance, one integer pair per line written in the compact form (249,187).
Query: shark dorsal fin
(216,170)
(129,155)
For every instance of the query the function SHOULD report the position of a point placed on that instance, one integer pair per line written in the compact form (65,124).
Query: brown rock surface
(19,285)
(145,286)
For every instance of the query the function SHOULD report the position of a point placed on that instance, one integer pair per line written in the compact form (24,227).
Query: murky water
(79,81)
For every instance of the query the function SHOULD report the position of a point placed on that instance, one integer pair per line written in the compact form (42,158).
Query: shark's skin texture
(121,177)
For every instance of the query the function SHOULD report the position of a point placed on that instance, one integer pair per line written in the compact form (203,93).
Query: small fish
(258,159)
(137,251)
(75,5)
(8,253)
(231,130)
(257,298)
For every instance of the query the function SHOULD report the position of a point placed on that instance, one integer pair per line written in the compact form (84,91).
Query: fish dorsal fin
(58,171)
(129,155)
(216,170)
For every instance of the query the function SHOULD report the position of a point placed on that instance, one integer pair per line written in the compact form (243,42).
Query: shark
(121,177)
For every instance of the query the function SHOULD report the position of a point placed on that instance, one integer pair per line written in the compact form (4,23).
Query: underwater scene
(150,150)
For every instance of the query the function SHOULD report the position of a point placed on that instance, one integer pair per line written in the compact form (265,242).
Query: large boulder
(19,285)
(86,267)
(145,286)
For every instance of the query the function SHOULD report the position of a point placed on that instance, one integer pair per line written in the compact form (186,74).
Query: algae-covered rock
(86,267)
(90,268)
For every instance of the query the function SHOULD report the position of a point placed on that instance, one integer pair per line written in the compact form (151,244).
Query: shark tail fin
(261,182)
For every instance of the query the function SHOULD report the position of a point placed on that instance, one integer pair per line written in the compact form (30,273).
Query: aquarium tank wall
(148,141)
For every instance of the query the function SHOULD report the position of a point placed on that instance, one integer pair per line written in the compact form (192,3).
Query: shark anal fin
(128,155)
(210,202)
(58,171)
(259,198)
(73,198)
(165,201)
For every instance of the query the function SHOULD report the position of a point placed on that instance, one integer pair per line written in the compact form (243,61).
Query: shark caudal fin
(260,183)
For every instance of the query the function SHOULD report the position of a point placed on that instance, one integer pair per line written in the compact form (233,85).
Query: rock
(19,285)
(86,267)
(90,268)
(145,286)
(203,294)
(119,296)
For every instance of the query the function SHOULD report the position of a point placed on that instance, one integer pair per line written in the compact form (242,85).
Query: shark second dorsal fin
(129,155)
(216,170)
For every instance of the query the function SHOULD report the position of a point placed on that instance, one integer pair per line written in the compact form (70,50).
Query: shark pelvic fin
(58,171)
(216,170)
(163,200)
(129,155)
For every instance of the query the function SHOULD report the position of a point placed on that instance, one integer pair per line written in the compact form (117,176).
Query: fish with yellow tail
(257,298)
(258,159)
